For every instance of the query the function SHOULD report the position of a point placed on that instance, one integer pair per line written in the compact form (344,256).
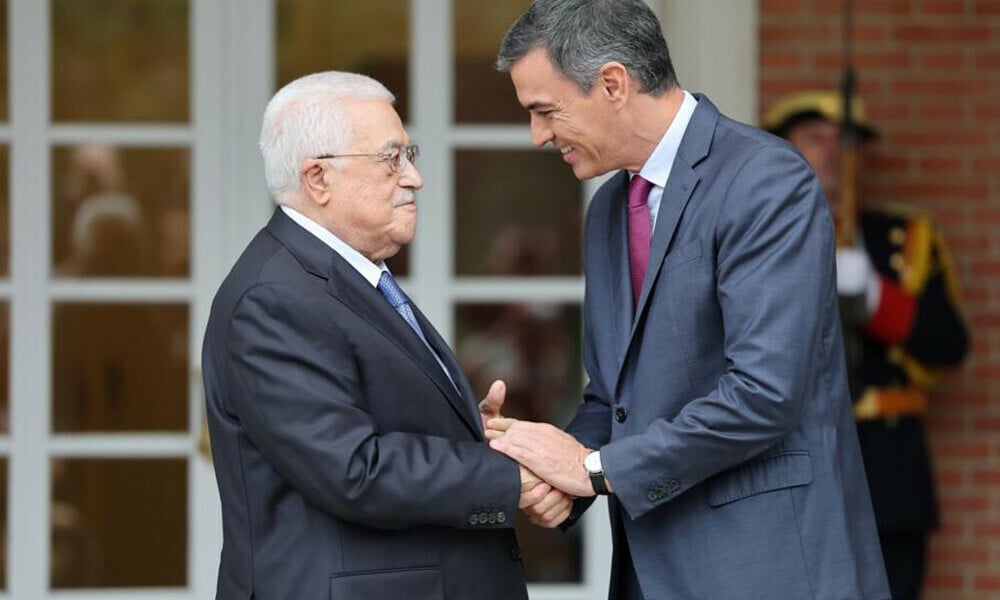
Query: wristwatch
(592,464)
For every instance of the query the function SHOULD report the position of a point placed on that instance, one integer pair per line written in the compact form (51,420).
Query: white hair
(305,119)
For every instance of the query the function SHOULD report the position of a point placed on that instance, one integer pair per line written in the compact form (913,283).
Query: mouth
(406,201)
(567,153)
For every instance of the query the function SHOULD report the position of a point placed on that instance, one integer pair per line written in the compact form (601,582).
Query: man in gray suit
(349,451)
(717,417)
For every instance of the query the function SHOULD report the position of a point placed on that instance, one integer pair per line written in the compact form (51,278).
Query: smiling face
(581,126)
(359,198)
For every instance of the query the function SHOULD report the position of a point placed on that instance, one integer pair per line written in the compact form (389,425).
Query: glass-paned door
(104,169)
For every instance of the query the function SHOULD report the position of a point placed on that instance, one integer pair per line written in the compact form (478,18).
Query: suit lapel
(680,187)
(345,284)
(621,292)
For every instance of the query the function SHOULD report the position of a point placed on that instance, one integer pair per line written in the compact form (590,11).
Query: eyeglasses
(392,156)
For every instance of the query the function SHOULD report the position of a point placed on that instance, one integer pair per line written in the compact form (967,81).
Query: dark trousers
(905,555)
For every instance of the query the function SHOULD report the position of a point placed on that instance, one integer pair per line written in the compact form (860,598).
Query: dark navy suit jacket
(348,465)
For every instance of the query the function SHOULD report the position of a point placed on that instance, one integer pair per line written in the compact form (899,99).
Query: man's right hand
(544,505)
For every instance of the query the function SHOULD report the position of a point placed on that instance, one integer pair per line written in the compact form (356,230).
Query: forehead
(538,81)
(375,121)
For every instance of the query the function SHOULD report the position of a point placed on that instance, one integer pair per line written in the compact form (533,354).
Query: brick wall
(929,71)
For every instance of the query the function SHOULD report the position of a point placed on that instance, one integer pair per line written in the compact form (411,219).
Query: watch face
(592,462)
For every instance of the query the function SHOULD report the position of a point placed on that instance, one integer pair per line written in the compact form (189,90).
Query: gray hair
(581,36)
(305,119)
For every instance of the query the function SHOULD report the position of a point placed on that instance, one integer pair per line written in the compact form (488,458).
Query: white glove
(855,276)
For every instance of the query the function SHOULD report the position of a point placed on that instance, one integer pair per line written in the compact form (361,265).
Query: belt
(878,403)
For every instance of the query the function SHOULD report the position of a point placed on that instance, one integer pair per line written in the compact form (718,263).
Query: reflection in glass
(518,212)
(535,349)
(3,523)
(120,212)
(119,367)
(371,37)
(483,94)
(4,211)
(120,60)
(118,523)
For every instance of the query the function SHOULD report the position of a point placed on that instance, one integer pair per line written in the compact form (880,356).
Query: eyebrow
(539,104)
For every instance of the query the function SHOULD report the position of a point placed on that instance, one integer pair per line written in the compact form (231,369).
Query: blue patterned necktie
(395,296)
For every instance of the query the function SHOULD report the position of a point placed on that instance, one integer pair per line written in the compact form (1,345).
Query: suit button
(672,486)
(502,518)
(621,414)
(515,553)
(493,518)
(473,519)
(483,518)
(652,496)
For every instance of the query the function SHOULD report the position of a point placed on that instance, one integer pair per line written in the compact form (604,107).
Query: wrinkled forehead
(375,122)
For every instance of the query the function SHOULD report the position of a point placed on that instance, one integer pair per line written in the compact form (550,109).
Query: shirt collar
(369,270)
(658,165)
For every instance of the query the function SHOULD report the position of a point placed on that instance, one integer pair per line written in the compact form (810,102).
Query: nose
(411,177)
(541,133)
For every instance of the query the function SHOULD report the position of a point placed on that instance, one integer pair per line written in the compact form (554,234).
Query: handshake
(550,461)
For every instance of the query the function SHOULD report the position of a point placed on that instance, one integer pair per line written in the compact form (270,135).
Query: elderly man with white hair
(348,445)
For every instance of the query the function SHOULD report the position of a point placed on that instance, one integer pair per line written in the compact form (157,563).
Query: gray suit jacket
(721,409)
(348,465)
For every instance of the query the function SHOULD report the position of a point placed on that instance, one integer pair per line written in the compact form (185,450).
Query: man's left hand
(548,451)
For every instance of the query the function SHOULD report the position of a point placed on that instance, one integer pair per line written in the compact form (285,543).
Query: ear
(613,82)
(313,181)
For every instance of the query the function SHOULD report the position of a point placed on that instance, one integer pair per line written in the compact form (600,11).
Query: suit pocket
(419,582)
(765,474)
(682,254)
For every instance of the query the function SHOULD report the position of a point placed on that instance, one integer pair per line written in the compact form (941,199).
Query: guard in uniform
(909,328)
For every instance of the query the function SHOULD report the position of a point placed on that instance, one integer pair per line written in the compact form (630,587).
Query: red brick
(943,137)
(943,33)
(976,555)
(987,582)
(944,581)
(780,60)
(941,165)
(965,507)
(780,7)
(987,477)
(987,60)
(942,60)
(942,7)
(797,33)
(962,450)
(952,478)
(987,165)
(989,529)
(986,7)
(987,112)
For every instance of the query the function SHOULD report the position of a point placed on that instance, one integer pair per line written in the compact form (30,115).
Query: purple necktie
(638,233)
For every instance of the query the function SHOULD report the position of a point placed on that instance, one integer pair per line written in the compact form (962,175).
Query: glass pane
(3,523)
(120,212)
(370,37)
(4,211)
(535,349)
(119,367)
(4,366)
(119,523)
(3,60)
(483,94)
(518,212)
(120,60)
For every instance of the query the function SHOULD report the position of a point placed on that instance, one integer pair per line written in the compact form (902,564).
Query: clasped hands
(551,461)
